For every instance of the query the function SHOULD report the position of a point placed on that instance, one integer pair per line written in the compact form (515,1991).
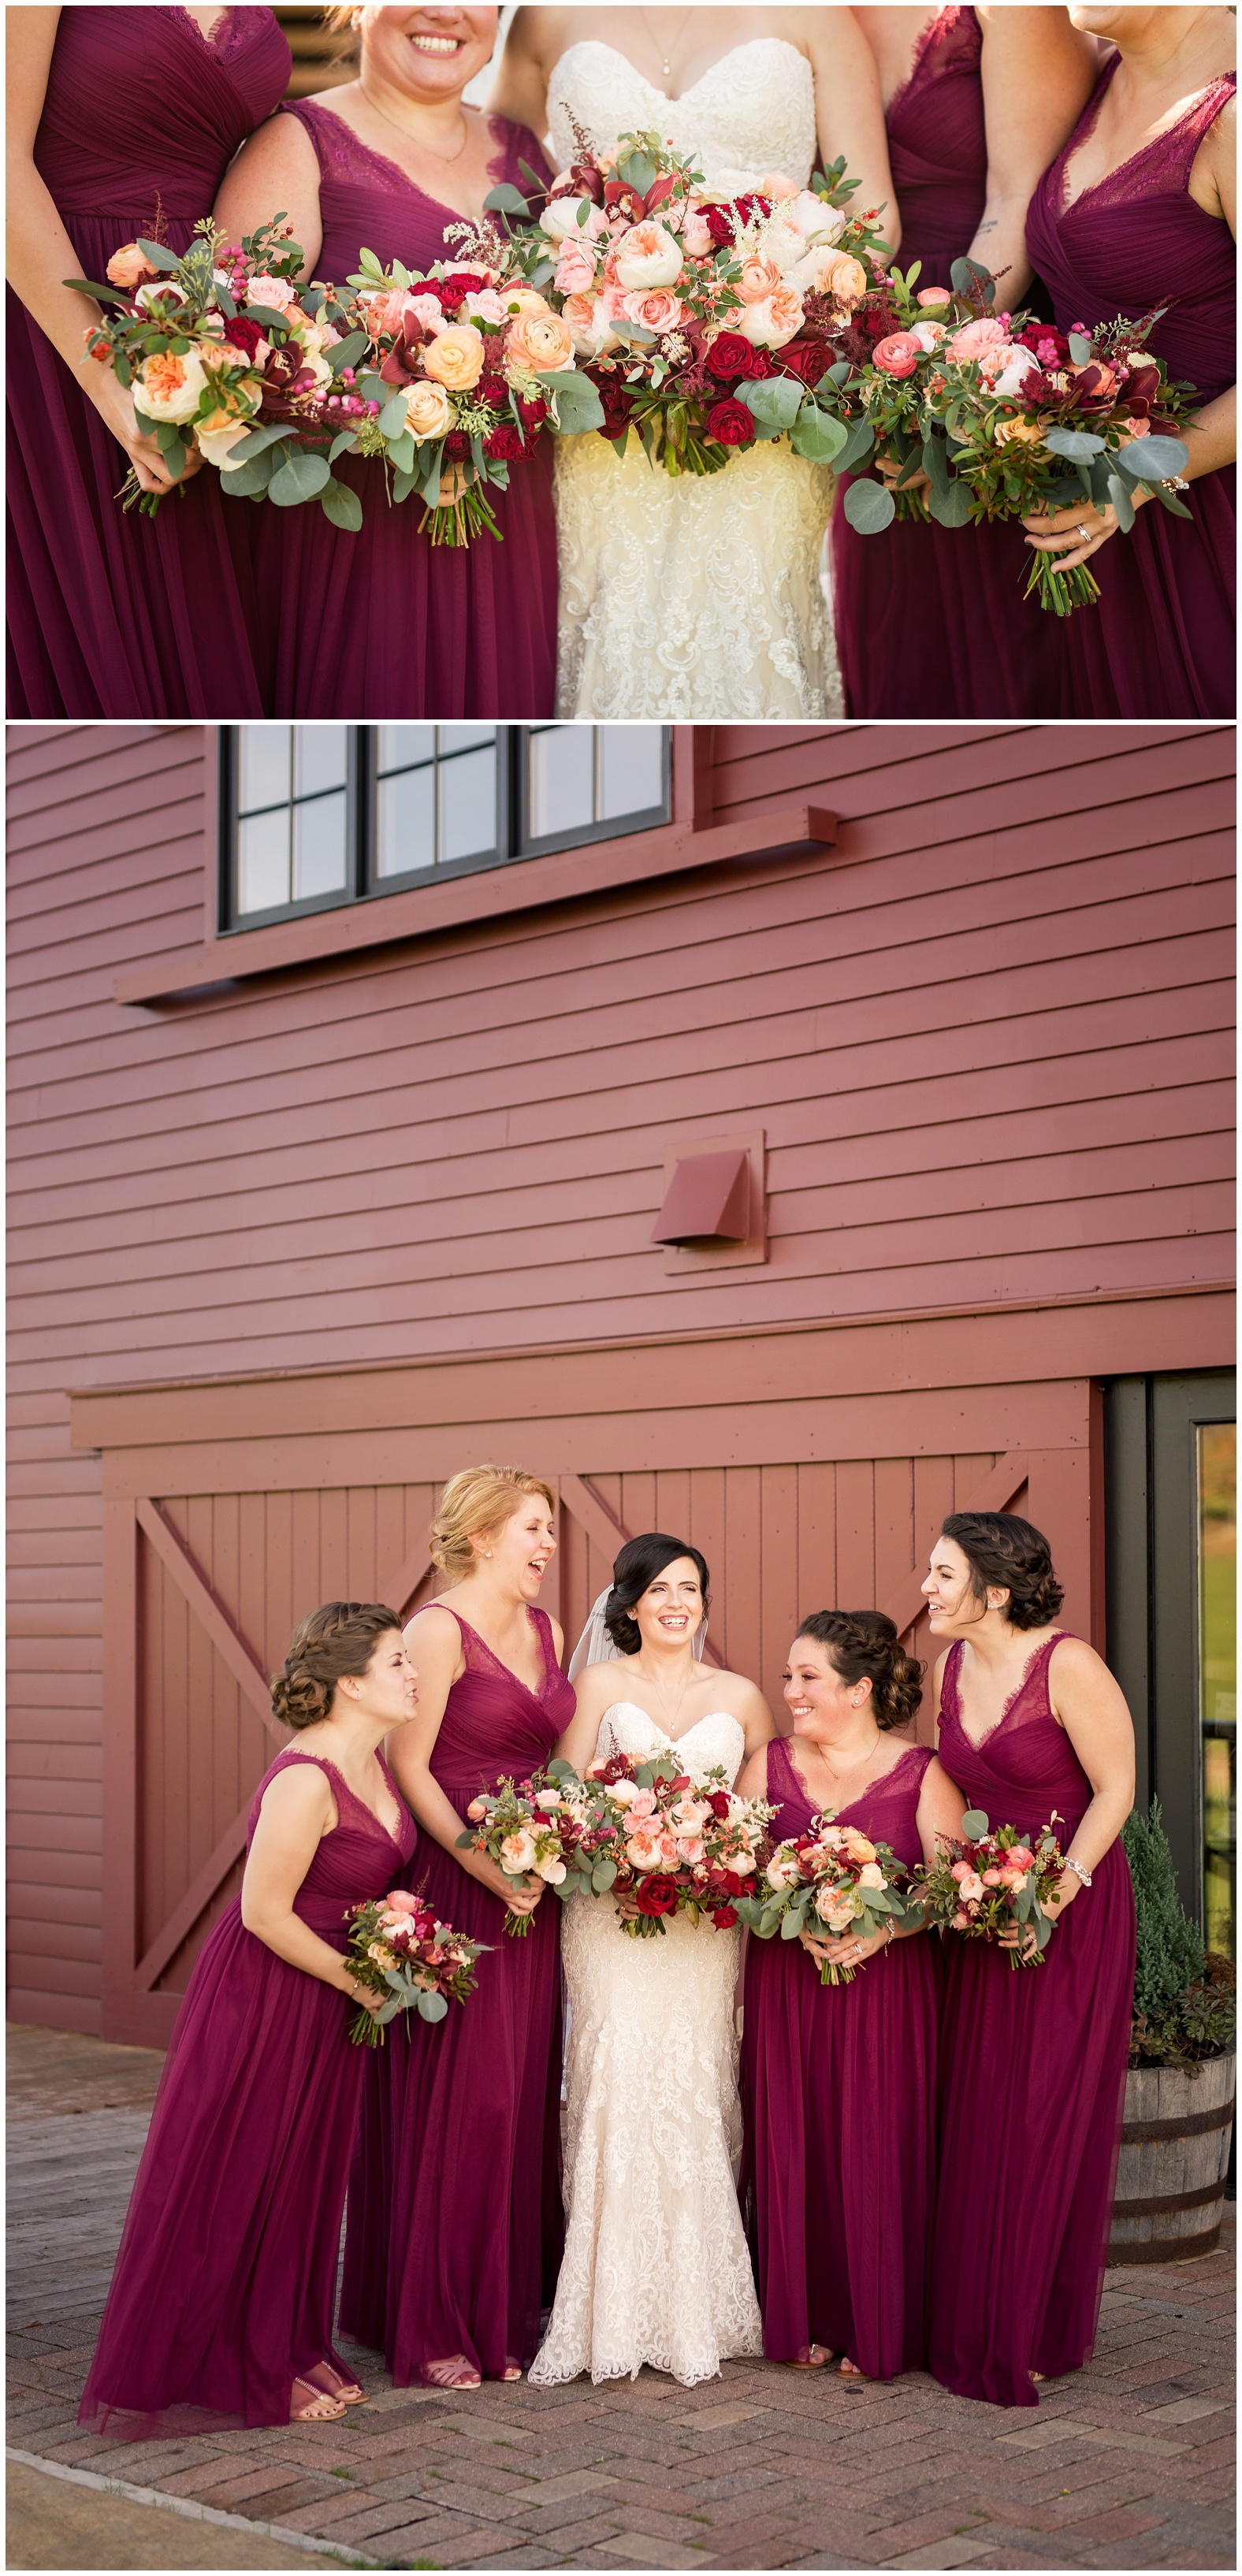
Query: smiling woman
(379,623)
(455,2171)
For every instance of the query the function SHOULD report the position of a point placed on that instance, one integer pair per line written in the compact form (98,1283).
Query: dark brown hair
(1001,1550)
(637,1565)
(864,1645)
(338,1638)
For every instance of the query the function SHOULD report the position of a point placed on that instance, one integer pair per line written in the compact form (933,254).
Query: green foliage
(1184,1997)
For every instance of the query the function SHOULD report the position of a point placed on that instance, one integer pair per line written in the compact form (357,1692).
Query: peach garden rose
(455,358)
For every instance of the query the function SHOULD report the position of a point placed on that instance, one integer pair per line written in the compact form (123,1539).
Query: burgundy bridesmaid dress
(1032,2079)
(931,621)
(838,2096)
(454,2226)
(225,2283)
(1160,641)
(111,614)
(382,623)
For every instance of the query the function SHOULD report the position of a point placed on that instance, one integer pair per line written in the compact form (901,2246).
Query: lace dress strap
(1161,167)
(952,40)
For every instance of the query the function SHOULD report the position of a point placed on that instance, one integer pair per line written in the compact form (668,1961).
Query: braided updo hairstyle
(636,1567)
(1001,1550)
(338,1638)
(863,1644)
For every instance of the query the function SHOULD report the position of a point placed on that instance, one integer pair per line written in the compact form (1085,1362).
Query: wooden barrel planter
(1174,2157)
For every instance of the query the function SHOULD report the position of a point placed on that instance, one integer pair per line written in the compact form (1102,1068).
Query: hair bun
(864,1645)
(337,1639)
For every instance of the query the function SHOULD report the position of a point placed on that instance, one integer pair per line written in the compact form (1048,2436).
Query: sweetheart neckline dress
(692,596)
(225,2282)
(655,2268)
(839,2098)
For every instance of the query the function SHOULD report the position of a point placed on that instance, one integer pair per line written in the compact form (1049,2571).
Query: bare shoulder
(597,1683)
(435,1630)
(741,1697)
(1074,1660)
(538,35)
(300,1795)
(282,143)
(752,1779)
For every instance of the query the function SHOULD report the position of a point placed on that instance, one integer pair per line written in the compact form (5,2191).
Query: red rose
(804,358)
(491,389)
(453,290)
(724,1916)
(731,424)
(730,358)
(534,411)
(243,333)
(657,1895)
(505,442)
(719,1804)
(719,219)
(457,444)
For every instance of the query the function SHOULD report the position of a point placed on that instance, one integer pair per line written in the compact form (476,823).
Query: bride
(698,596)
(656,2268)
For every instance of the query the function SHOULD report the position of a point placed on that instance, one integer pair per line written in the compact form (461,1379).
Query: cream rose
(428,411)
(559,219)
(218,444)
(455,358)
(275,291)
(871,1875)
(647,256)
(550,1871)
(517,1851)
(816,220)
(768,325)
(170,388)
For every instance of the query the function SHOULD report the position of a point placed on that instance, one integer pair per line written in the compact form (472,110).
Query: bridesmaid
(1138,211)
(1033,2063)
(120,120)
(838,2082)
(931,621)
(382,623)
(225,2283)
(454,2226)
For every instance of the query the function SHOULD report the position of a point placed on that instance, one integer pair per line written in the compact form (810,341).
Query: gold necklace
(666,68)
(448,158)
(836,1777)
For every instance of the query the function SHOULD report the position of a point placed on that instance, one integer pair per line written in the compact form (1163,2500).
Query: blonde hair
(475,1502)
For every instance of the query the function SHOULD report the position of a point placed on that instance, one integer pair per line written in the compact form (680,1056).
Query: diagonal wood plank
(406,1590)
(198,1895)
(995,1494)
(231,1647)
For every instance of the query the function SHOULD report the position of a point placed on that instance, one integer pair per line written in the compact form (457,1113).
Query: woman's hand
(521,1895)
(116,408)
(1074,534)
(889,467)
(848,1951)
(1020,1936)
(358,1994)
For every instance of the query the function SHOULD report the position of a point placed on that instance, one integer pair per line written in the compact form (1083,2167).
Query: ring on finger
(1084,532)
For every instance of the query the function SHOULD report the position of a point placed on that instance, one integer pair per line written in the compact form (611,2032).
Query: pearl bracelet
(1079,1871)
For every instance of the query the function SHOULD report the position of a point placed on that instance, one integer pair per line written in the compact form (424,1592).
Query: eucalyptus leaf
(840,373)
(402,453)
(638,171)
(392,419)
(1153,460)
(347,352)
(974,1825)
(817,436)
(859,447)
(539,185)
(1170,502)
(403,485)
(964,274)
(159,257)
(87,286)
(340,503)
(267,317)
(225,302)
(870,507)
(791,1924)
(936,462)
(254,442)
(1080,444)
(950,508)
(247,482)
(388,2012)
(1100,481)
(506,200)
(603,1875)
(342,445)
(578,406)
(432,2007)
(1079,349)
(775,399)
(300,478)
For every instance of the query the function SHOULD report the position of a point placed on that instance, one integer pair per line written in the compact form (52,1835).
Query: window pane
(319,847)
(468,805)
(320,757)
(263,772)
(562,762)
(631,769)
(461,737)
(263,861)
(399,745)
(406,822)
(1218,1675)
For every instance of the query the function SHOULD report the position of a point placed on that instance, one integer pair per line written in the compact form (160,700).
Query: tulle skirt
(932,622)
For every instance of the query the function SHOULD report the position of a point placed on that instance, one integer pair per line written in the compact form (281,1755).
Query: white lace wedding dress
(695,595)
(656,2268)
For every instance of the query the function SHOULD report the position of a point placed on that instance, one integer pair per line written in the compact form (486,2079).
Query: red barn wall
(987,1037)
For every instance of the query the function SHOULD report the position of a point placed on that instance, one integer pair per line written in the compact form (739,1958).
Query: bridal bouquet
(983,1883)
(223,351)
(828,1882)
(698,312)
(522,1828)
(1003,413)
(644,1830)
(398,1949)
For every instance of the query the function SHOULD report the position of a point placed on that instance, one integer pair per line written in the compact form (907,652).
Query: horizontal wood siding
(987,1036)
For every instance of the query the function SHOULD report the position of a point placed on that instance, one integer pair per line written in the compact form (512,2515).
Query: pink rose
(775,186)
(696,235)
(976,337)
(654,311)
(575,272)
(932,295)
(1139,428)
(899,354)
(476,1810)
(642,1804)
(646,255)
(993,1878)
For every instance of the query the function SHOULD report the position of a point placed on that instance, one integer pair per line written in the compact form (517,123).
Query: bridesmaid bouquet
(643,1829)
(700,314)
(983,1883)
(828,1882)
(397,1948)
(224,352)
(522,1828)
(1003,413)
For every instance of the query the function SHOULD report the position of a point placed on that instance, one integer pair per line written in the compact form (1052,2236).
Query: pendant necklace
(666,68)
(448,158)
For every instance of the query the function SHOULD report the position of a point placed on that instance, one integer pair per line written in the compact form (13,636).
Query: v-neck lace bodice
(1026,1764)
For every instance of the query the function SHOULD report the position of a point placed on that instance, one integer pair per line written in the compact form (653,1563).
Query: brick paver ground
(1128,2465)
